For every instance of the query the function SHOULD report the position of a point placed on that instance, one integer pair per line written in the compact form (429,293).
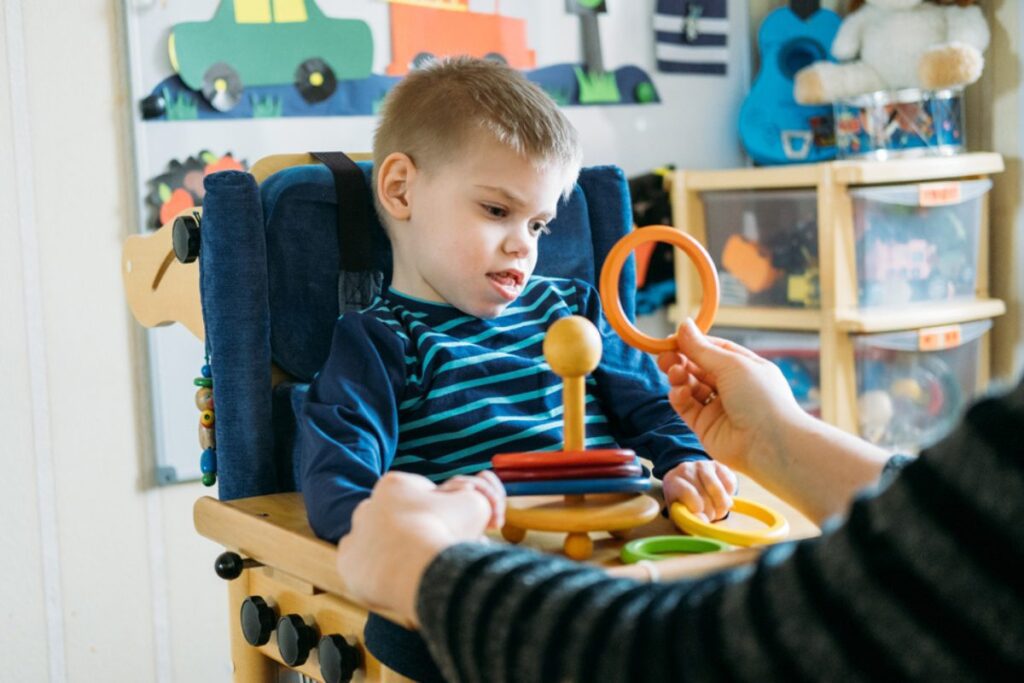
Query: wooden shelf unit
(839,315)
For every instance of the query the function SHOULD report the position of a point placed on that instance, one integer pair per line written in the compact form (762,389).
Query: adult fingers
(695,346)
(666,359)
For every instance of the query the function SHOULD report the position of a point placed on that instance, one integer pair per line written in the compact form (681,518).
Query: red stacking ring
(595,472)
(546,459)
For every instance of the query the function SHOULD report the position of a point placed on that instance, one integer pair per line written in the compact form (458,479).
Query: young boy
(445,369)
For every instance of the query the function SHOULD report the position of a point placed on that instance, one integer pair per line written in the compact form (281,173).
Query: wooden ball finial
(572,347)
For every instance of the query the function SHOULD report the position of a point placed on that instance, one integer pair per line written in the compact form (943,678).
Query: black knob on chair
(229,565)
(257,620)
(339,659)
(295,639)
(185,237)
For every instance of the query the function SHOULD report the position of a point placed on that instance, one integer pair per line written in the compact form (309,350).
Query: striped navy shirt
(422,387)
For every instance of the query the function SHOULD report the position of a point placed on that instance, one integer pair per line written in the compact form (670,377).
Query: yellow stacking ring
(777,525)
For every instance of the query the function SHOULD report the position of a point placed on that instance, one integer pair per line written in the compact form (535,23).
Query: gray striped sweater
(923,581)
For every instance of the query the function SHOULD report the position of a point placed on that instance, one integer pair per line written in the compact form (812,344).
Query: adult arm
(921,583)
(349,423)
(755,426)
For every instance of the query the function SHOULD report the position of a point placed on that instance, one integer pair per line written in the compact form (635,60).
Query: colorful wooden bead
(206,418)
(209,479)
(203,382)
(206,438)
(204,398)
(206,372)
(208,461)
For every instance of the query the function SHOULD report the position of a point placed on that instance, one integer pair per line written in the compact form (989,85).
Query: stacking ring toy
(777,529)
(661,547)
(609,284)
(579,487)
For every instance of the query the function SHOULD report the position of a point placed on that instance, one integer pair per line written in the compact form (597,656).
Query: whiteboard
(693,126)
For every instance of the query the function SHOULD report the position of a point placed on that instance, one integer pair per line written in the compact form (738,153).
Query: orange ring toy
(609,284)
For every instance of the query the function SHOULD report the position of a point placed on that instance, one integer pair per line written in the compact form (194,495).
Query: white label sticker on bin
(938,338)
(937,194)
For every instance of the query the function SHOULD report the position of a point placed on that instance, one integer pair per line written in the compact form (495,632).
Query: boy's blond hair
(433,112)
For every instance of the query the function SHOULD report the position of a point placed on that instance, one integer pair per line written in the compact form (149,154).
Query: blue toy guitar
(774,129)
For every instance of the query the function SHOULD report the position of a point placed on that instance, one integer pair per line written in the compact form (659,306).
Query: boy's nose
(518,243)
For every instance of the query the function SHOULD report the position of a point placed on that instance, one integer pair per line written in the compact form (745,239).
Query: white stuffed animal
(893,44)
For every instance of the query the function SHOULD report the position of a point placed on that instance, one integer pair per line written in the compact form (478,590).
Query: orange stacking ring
(609,284)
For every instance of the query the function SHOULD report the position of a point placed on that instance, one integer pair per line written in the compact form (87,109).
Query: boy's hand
(705,487)
(487,484)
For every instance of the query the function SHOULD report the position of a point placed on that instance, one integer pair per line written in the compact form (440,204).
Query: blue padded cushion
(300,209)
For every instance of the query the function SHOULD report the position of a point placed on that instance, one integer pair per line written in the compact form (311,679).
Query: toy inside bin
(765,246)
(913,385)
(912,249)
(901,123)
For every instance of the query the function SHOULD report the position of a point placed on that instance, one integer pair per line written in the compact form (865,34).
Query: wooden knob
(572,347)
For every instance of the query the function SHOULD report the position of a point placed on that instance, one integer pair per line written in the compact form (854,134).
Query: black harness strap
(355,211)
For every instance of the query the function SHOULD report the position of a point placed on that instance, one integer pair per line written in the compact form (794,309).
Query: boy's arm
(349,424)
(634,394)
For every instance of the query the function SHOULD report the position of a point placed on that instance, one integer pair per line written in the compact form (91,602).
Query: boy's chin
(489,313)
(484,311)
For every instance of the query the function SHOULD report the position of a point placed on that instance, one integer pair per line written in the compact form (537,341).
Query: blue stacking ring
(575,487)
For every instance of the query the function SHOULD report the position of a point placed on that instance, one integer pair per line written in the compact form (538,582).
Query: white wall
(104,579)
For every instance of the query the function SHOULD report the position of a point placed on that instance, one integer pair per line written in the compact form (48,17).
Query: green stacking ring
(659,547)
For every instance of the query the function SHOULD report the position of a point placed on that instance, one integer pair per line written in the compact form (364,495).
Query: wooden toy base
(577,515)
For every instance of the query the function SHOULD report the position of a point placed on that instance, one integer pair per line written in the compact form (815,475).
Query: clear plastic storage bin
(912,386)
(917,243)
(765,246)
(796,354)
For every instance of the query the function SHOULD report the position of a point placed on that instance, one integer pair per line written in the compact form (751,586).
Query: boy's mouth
(507,282)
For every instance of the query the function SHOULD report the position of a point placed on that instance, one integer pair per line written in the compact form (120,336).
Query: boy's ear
(393,178)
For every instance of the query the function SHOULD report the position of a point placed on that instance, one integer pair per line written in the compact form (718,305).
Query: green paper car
(269,42)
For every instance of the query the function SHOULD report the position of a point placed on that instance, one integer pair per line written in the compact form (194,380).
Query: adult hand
(399,530)
(731,398)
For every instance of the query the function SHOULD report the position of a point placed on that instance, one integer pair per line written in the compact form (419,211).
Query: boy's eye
(539,228)
(495,211)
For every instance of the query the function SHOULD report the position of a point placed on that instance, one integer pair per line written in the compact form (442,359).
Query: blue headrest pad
(300,209)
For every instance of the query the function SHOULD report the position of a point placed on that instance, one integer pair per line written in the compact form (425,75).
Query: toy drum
(901,123)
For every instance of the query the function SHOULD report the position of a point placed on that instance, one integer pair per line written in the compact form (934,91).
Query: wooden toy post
(572,347)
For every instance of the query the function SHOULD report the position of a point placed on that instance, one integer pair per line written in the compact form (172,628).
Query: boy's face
(471,234)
